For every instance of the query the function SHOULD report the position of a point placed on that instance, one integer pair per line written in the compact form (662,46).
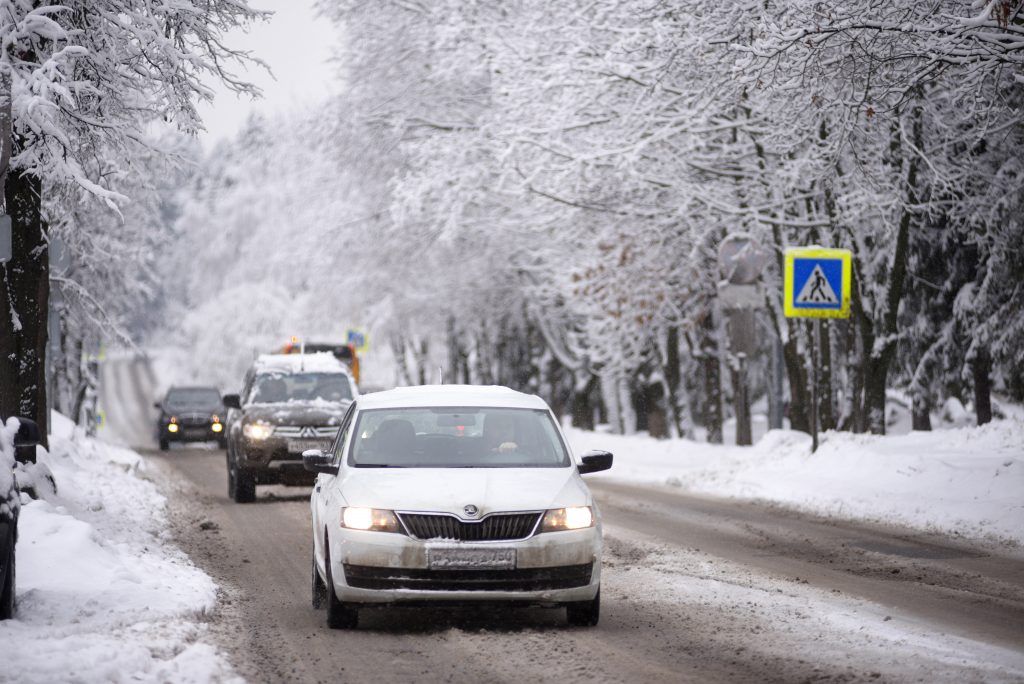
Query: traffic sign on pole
(358,339)
(817,282)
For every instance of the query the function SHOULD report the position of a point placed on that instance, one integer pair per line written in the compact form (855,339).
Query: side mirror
(595,461)
(232,401)
(26,440)
(316,461)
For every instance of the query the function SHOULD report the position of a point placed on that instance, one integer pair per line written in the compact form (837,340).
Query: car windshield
(194,398)
(463,437)
(276,388)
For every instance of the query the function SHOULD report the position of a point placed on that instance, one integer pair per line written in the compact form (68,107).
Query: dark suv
(190,414)
(289,403)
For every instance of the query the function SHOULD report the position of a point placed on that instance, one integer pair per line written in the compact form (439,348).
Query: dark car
(24,443)
(289,403)
(191,414)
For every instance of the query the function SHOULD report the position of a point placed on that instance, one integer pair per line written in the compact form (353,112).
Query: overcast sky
(296,44)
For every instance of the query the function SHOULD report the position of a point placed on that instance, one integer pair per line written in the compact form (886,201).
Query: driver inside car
(499,433)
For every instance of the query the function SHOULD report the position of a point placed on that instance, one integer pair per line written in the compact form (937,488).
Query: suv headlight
(370,519)
(574,518)
(257,431)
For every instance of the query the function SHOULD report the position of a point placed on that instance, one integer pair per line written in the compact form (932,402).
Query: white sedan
(451,493)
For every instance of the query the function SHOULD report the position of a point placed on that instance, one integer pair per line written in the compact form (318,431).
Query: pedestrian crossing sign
(816,282)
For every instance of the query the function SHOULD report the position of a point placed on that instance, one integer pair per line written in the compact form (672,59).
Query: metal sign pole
(815,341)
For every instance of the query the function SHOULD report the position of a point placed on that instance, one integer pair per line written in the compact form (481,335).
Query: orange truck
(346,353)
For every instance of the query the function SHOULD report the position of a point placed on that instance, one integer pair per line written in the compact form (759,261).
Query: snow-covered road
(696,589)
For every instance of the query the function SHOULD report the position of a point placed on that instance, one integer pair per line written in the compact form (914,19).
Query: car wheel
(222,443)
(340,615)
(319,588)
(241,485)
(231,475)
(584,613)
(7,591)
(164,444)
(245,487)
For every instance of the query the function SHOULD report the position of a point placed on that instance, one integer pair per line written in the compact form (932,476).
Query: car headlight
(371,519)
(574,518)
(257,431)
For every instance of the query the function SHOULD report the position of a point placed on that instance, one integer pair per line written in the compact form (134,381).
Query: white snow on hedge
(102,593)
(965,481)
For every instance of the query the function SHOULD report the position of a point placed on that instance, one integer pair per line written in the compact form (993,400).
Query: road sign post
(817,284)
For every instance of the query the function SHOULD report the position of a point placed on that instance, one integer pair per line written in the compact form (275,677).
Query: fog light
(216,427)
(173,427)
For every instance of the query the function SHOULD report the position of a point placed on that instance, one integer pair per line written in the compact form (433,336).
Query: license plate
(195,432)
(297,446)
(471,559)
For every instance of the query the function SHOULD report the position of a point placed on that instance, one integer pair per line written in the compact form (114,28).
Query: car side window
(339,442)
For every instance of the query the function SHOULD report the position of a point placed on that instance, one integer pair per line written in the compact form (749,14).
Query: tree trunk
(712,382)
(582,407)
(981,371)
(920,414)
(24,293)
(880,359)
(826,410)
(672,376)
(796,373)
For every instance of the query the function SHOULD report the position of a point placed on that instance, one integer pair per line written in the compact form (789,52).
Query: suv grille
(497,527)
(307,432)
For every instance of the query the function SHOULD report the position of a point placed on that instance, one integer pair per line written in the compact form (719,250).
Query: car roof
(192,388)
(451,395)
(317,362)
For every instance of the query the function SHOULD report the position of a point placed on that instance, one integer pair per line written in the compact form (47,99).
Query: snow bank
(965,481)
(102,593)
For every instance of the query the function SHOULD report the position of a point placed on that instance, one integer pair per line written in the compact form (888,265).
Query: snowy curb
(103,595)
(965,481)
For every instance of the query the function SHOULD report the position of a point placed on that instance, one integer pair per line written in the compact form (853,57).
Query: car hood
(449,490)
(297,413)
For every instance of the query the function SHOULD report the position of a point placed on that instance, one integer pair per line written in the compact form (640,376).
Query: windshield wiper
(378,465)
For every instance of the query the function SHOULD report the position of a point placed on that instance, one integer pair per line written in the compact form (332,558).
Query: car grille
(497,527)
(304,432)
(521,579)
(194,419)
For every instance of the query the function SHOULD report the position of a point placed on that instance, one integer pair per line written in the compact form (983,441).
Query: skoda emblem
(470,510)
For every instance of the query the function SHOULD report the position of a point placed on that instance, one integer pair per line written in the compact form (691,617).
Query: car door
(324,498)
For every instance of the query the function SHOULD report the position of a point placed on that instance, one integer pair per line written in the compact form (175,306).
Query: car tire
(340,615)
(319,588)
(241,485)
(222,443)
(584,613)
(164,444)
(7,591)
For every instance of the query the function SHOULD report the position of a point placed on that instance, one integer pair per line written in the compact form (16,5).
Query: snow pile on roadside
(966,481)
(102,594)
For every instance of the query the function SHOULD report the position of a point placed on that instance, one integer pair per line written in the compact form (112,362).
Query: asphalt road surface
(695,589)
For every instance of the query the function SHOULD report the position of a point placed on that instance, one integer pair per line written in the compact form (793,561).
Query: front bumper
(381,567)
(192,433)
(270,462)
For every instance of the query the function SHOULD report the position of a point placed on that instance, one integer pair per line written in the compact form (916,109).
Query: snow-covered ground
(103,595)
(963,481)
